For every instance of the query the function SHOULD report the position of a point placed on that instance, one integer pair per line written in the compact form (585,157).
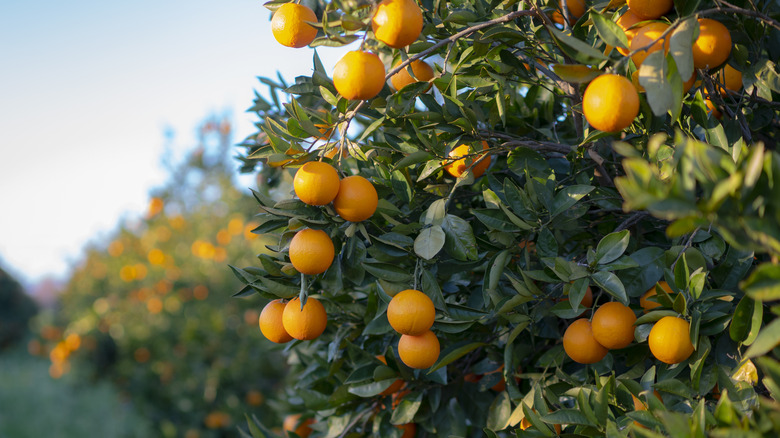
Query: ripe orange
(613,325)
(580,345)
(628,19)
(576,10)
(356,200)
(292,423)
(644,36)
(713,109)
(311,251)
(254,398)
(359,75)
(640,405)
(670,341)
(689,83)
(271,323)
(587,300)
(650,9)
(316,183)
(396,386)
(419,352)
(410,430)
(459,166)
(610,103)
(289,25)
(422,73)
(731,78)
(713,46)
(307,323)
(397,23)
(411,312)
(650,305)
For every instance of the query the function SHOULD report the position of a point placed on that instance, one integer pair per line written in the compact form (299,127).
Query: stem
(303,296)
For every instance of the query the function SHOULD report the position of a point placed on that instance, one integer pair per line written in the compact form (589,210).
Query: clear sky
(87,90)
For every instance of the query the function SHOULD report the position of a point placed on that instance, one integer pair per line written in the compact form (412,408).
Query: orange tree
(149,307)
(587,197)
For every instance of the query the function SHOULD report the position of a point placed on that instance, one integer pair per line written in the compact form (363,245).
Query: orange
(628,19)
(650,305)
(459,166)
(359,75)
(419,352)
(670,341)
(580,345)
(640,405)
(397,23)
(713,46)
(576,10)
(610,103)
(410,430)
(635,81)
(644,36)
(731,78)
(396,386)
(307,323)
(271,323)
(713,109)
(525,424)
(411,312)
(356,200)
(254,398)
(289,25)
(613,325)
(292,423)
(316,183)
(587,300)
(311,251)
(689,83)
(422,73)
(650,9)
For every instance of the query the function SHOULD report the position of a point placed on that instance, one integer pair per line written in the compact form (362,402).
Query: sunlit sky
(87,91)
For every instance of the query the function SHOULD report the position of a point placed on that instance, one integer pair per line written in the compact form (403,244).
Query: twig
(737,10)
(685,248)
(633,219)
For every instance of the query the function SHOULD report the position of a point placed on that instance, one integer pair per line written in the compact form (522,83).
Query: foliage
(16,310)
(150,309)
(563,207)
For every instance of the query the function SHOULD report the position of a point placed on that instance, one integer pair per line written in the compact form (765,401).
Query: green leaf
(742,320)
(455,354)
(652,76)
(566,416)
(612,246)
(763,283)
(429,242)
(583,50)
(611,285)
(459,242)
(499,412)
(681,46)
(767,339)
(406,409)
(576,73)
(256,428)
(387,272)
(569,196)
(371,389)
(608,30)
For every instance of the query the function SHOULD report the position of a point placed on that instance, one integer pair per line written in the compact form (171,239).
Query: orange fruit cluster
(411,313)
(281,323)
(460,162)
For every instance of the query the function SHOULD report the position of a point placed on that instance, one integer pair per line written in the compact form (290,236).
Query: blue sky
(87,90)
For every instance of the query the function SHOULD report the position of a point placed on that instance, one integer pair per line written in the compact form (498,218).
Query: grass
(34,405)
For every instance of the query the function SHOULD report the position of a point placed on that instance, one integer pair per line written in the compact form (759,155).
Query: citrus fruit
(635,81)
(670,341)
(639,405)
(613,325)
(731,78)
(628,19)
(271,323)
(580,345)
(713,46)
(713,109)
(419,352)
(610,103)
(646,35)
(689,83)
(397,23)
(525,424)
(311,251)
(307,323)
(359,75)
(410,430)
(576,10)
(289,25)
(650,305)
(411,312)
(459,166)
(292,423)
(587,301)
(395,386)
(316,183)
(422,73)
(650,9)
(356,200)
